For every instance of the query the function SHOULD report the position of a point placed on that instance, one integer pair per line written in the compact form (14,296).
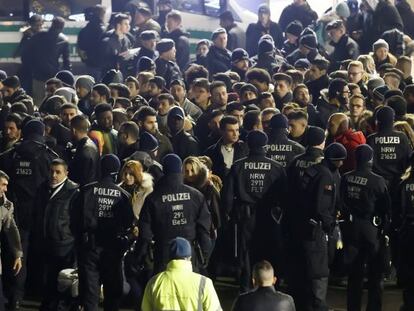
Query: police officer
(27,164)
(392,149)
(253,189)
(291,227)
(280,148)
(366,208)
(102,215)
(406,238)
(174,209)
(316,216)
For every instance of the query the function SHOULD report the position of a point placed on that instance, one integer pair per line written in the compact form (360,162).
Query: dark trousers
(100,265)
(245,230)
(53,265)
(406,265)
(364,249)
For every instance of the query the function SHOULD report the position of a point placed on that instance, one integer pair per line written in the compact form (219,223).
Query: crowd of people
(284,149)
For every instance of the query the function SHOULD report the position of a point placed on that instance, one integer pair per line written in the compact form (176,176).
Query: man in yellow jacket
(179,288)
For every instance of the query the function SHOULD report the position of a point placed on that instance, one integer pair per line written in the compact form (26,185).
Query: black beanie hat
(110,165)
(336,86)
(392,93)
(335,151)
(363,154)
(112,76)
(67,78)
(12,82)
(172,164)
(295,28)
(316,136)
(266,45)
(399,104)
(33,127)
(279,121)
(385,116)
(238,55)
(145,64)
(256,139)
(309,42)
(165,45)
(102,108)
(148,142)
(248,87)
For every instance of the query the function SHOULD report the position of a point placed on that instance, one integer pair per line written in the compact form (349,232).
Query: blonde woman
(404,127)
(137,183)
(196,174)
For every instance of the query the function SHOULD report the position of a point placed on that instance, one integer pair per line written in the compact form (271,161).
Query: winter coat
(345,49)
(182,45)
(236,37)
(407,16)
(218,60)
(139,192)
(301,13)
(256,30)
(168,70)
(83,167)
(44,51)
(88,39)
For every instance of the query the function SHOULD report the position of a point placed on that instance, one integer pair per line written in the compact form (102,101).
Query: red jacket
(350,139)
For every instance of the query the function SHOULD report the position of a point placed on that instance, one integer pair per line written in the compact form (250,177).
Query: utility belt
(316,229)
(375,220)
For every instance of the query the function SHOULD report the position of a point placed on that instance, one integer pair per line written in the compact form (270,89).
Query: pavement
(228,291)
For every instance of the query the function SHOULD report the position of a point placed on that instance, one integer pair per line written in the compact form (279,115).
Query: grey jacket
(9,228)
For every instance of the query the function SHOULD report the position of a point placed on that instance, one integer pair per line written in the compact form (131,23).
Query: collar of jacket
(180,265)
(257,152)
(314,151)
(365,167)
(277,134)
(270,288)
(341,42)
(173,179)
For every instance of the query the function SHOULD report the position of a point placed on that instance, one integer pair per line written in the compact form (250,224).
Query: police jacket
(392,151)
(184,144)
(54,217)
(214,153)
(27,164)
(83,167)
(102,212)
(174,209)
(346,48)
(318,193)
(256,30)
(168,70)
(254,182)
(218,60)
(179,288)
(365,195)
(264,299)
(281,149)
(405,200)
(9,229)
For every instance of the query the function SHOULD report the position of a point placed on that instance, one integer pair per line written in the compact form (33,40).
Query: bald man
(264,296)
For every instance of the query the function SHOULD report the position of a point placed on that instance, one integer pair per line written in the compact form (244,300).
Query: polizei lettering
(279,148)
(107,192)
(387,140)
(174,197)
(257,166)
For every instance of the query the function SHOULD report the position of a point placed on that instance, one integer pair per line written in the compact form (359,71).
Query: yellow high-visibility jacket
(180,289)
